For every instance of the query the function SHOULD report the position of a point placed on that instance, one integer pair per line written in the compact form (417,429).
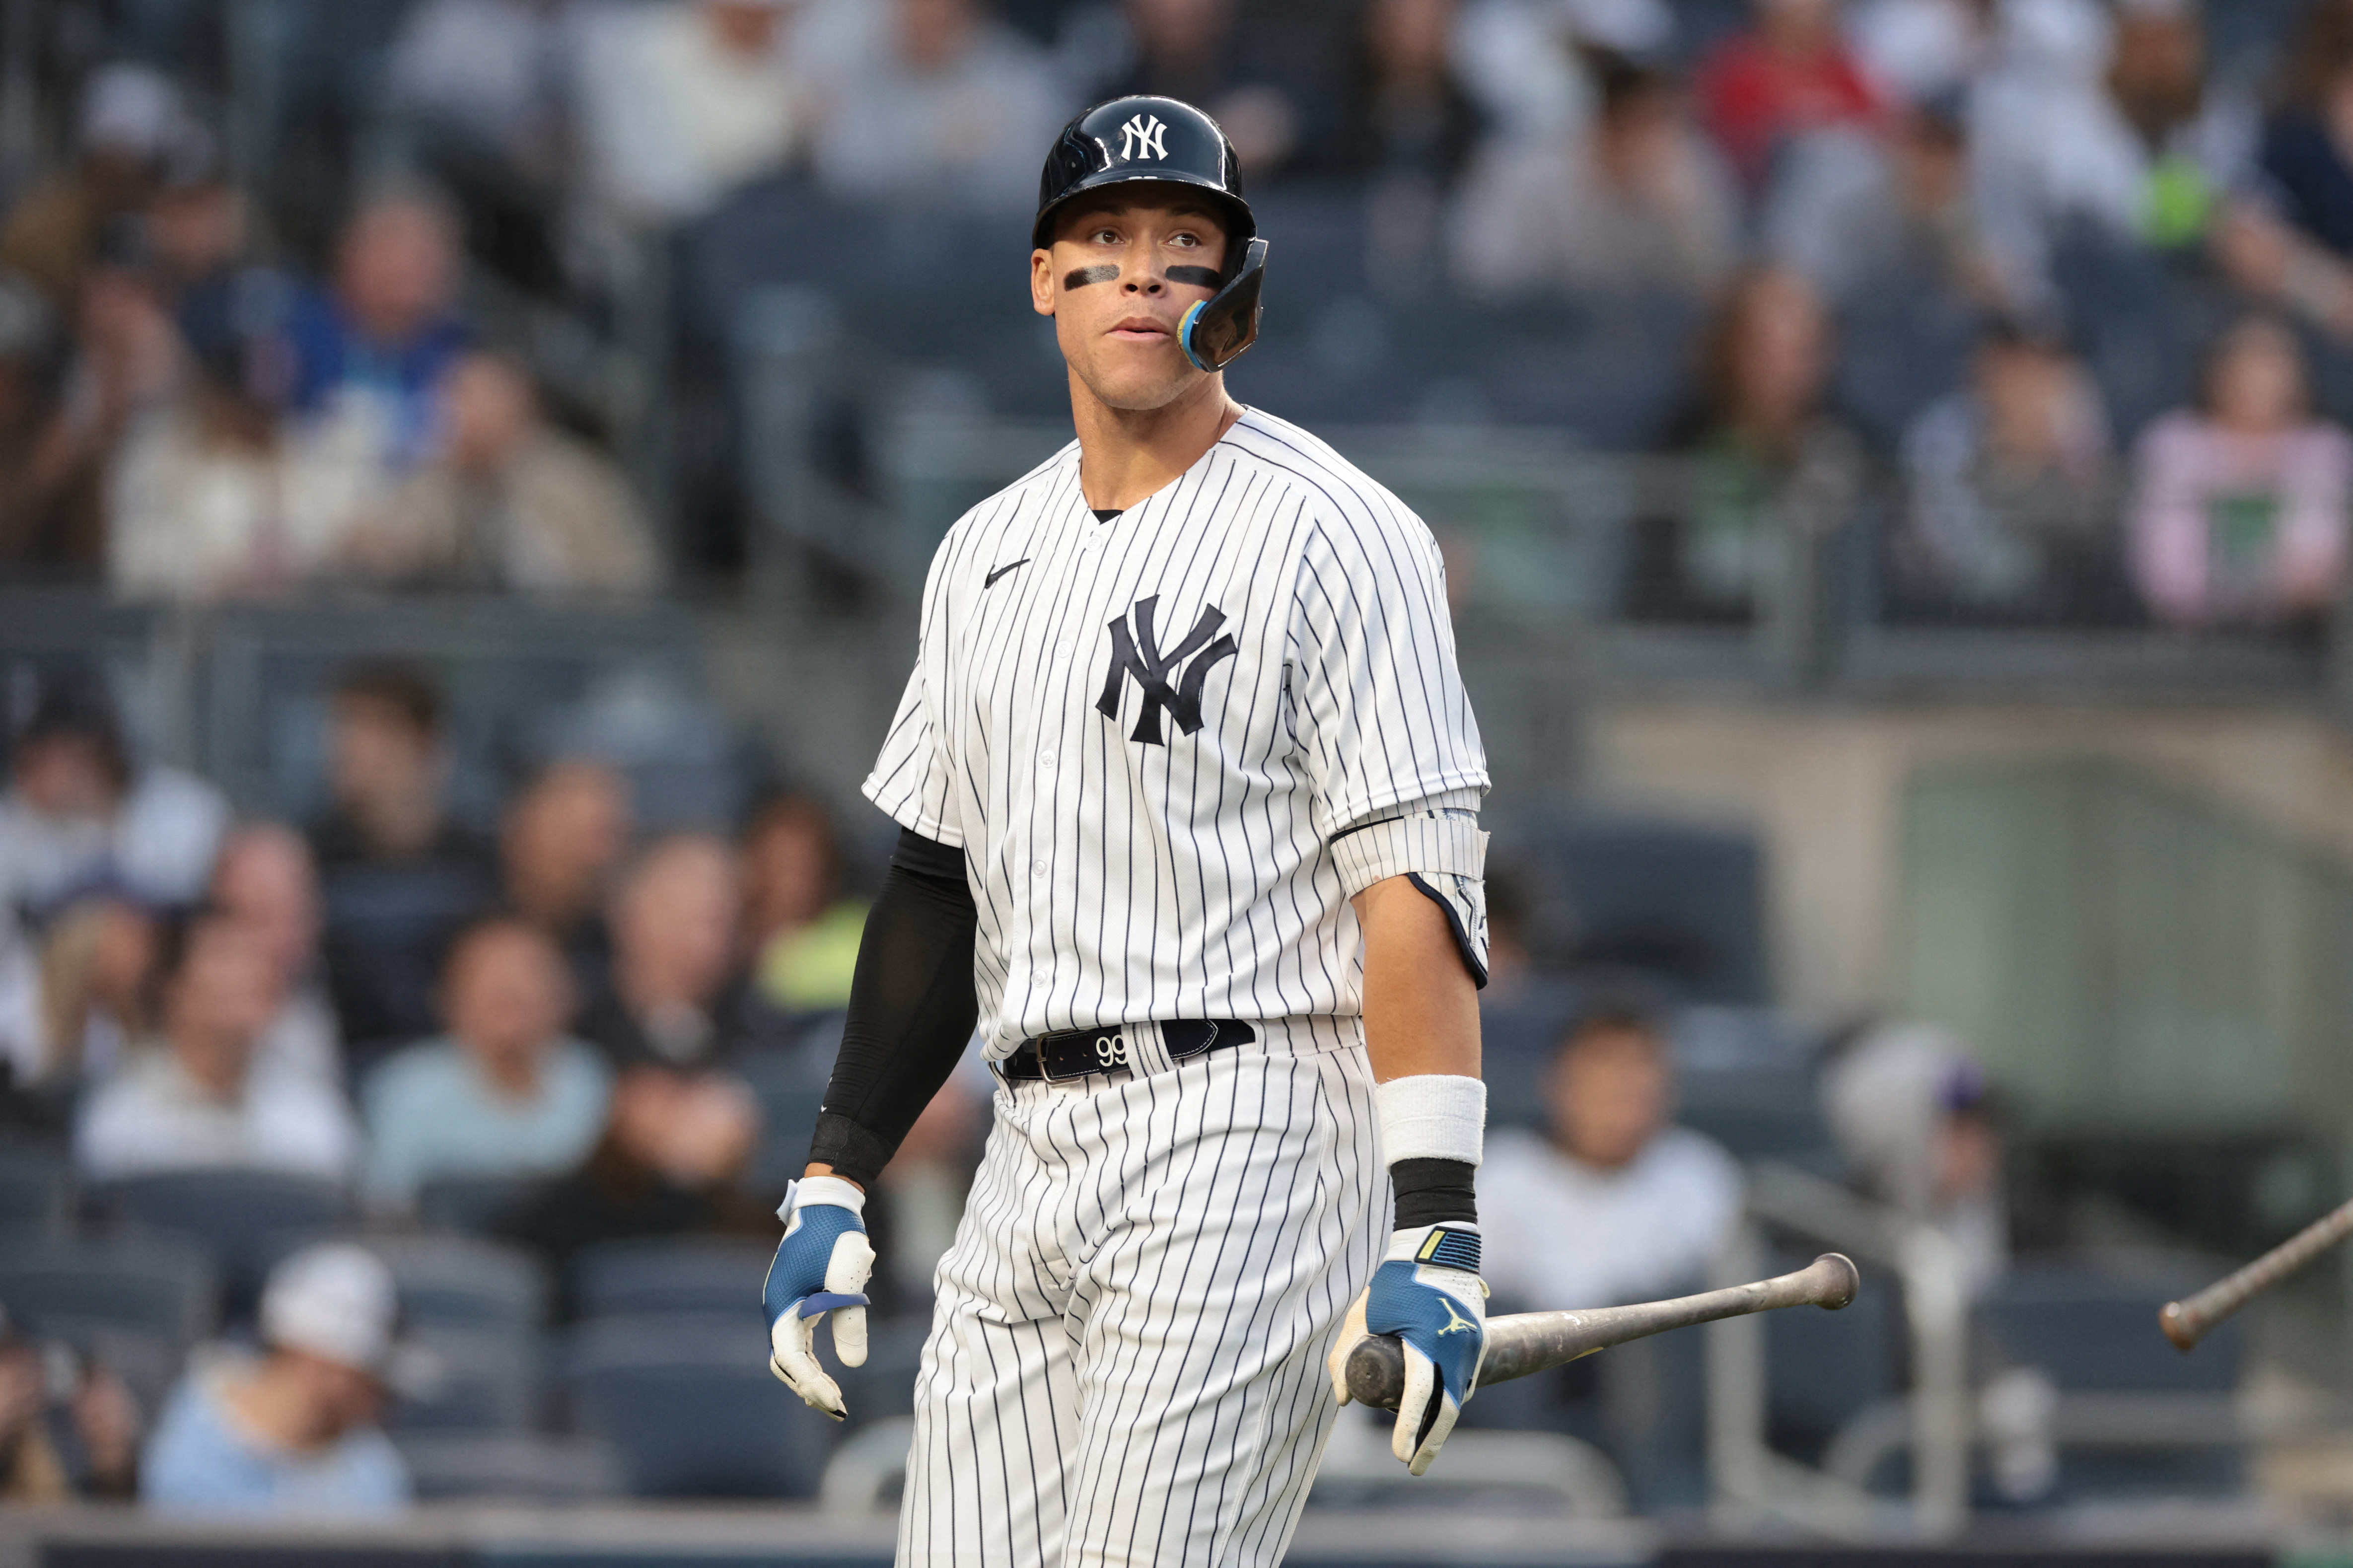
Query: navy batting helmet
(1159,139)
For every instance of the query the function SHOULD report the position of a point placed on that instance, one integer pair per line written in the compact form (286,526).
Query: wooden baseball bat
(1525,1342)
(2186,1322)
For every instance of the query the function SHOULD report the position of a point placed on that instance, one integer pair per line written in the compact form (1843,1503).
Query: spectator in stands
(267,882)
(400,876)
(676,997)
(78,815)
(1775,471)
(1407,129)
(1635,203)
(682,102)
(133,126)
(52,455)
(1908,1107)
(1649,1203)
(2241,506)
(505,1091)
(1791,74)
(2096,125)
(2011,483)
(2293,243)
(945,104)
(297,1433)
(1853,211)
(509,502)
(1522,59)
(561,840)
(72,1002)
(1405,108)
(58,1445)
(491,75)
(220,495)
(673,1149)
(372,352)
(200,1097)
(804,933)
(1194,50)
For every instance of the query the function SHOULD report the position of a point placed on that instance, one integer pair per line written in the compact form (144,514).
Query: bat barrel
(1528,1342)
(2188,1320)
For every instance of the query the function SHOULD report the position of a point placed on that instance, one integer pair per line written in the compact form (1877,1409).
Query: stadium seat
(1677,904)
(35,1192)
(509,1467)
(464,1283)
(158,1286)
(670,1274)
(1823,1368)
(1518,1036)
(2091,1329)
(477,1206)
(486,1381)
(239,1215)
(690,1405)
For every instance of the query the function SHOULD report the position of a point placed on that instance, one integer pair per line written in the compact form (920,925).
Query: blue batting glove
(1428,1294)
(821,1266)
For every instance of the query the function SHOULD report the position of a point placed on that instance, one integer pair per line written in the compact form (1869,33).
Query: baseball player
(1187,783)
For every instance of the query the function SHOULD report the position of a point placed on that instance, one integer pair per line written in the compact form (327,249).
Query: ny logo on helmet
(1141,137)
(1137,653)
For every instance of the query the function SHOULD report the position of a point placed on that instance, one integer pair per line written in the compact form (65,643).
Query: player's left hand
(1428,1294)
(821,1266)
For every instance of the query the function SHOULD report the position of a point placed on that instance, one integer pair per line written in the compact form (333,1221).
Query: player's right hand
(821,1266)
(1428,1293)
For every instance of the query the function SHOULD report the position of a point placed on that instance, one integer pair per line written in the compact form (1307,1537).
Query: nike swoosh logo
(990,581)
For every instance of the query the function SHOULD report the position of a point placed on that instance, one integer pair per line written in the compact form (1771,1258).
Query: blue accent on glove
(1429,1320)
(797,1276)
(820,1271)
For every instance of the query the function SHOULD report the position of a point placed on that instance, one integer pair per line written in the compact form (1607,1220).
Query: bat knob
(1846,1284)
(1376,1371)
(2179,1326)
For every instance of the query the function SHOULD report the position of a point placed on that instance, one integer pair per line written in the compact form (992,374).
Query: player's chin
(1140,377)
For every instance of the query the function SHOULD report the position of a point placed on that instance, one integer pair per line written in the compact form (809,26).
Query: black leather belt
(1074,1053)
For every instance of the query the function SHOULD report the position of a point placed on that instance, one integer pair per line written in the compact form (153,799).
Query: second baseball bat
(1525,1343)
(2186,1322)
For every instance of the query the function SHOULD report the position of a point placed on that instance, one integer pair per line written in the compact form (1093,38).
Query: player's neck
(1128,453)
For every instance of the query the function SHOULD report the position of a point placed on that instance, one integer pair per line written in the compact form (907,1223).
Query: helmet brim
(1241,226)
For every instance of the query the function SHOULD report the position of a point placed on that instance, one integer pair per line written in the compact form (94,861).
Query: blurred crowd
(567,1034)
(2060,288)
(1925,254)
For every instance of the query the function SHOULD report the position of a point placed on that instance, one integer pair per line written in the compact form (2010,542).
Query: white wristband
(835,1190)
(1432,1116)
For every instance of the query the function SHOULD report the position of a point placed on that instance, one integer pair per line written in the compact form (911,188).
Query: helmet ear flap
(1215,331)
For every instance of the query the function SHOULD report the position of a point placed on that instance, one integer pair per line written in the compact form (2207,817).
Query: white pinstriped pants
(1126,1365)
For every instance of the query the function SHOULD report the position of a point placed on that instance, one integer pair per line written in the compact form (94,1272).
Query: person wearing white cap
(297,1431)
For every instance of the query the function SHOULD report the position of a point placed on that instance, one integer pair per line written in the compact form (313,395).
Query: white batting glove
(1428,1293)
(821,1267)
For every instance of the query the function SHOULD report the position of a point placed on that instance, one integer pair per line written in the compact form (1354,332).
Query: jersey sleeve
(913,780)
(1378,704)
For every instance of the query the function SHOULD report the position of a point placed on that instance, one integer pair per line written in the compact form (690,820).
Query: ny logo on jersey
(1141,138)
(1137,653)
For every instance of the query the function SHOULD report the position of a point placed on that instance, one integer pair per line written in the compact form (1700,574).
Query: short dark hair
(1617,1016)
(407,689)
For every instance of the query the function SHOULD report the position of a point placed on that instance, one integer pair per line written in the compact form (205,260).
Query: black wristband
(1434,1192)
(852,1151)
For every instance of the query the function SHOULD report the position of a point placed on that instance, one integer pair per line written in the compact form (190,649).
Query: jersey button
(1045,758)
(1037,867)
(1061,650)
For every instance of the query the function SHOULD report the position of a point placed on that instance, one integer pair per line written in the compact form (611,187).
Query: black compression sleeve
(1432,1192)
(911,1009)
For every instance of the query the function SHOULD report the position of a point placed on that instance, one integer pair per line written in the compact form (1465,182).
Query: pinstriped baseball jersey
(1144,732)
